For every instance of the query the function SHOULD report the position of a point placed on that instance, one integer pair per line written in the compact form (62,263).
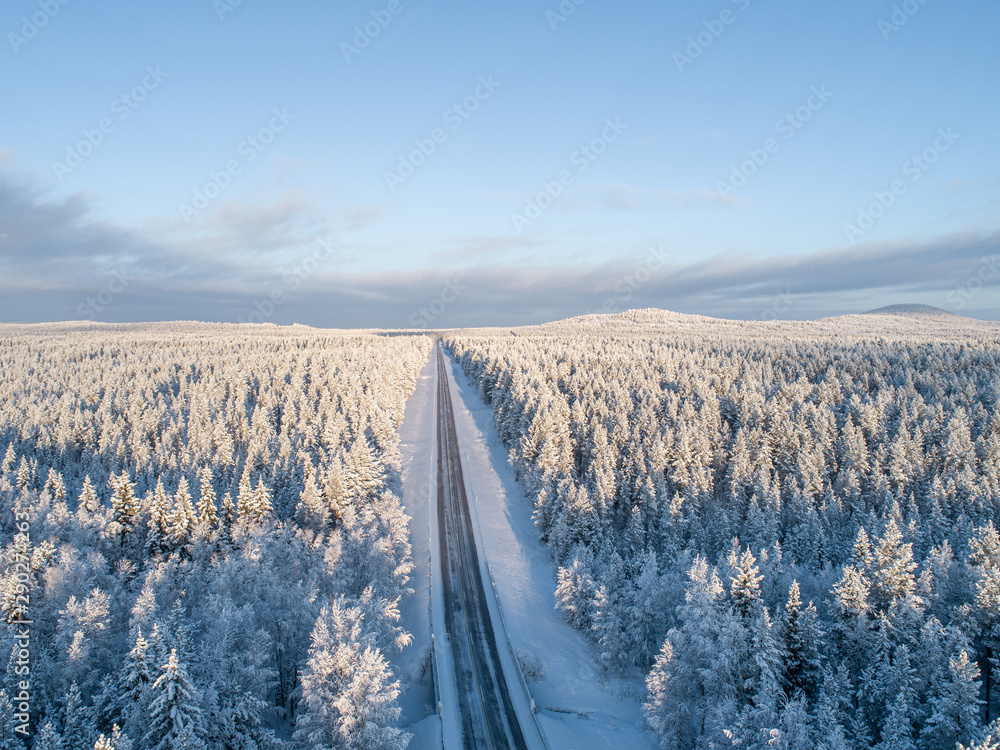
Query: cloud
(623,197)
(231,265)
(238,227)
(830,282)
(359,215)
(55,243)
(841,280)
(467,248)
(282,168)
(48,243)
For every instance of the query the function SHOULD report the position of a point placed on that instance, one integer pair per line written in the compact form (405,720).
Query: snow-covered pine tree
(897,733)
(9,459)
(118,740)
(228,512)
(744,587)
(55,485)
(182,519)
(175,716)
(954,706)
(802,637)
(666,707)
(77,725)
(88,499)
(136,678)
(47,738)
(576,590)
(891,570)
(367,705)
(123,501)
(363,472)
(991,740)
(245,496)
(262,506)
(9,738)
(346,684)
(208,516)
(311,511)
(158,522)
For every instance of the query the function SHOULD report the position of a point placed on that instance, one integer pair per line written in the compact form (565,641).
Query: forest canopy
(215,547)
(789,528)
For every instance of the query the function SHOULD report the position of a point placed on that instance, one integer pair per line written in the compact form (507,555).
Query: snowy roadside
(416,446)
(574,710)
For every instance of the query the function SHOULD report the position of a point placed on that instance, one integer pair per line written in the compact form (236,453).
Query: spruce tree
(88,500)
(245,497)
(47,738)
(9,459)
(954,706)
(802,636)
(136,678)
(77,724)
(123,501)
(207,515)
(10,739)
(311,511)
(175,716)
(118,740)
(182,517)
(262,508)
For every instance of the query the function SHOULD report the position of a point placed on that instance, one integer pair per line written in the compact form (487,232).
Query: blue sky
(737,159)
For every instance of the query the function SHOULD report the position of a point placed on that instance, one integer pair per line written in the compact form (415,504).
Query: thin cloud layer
(265,264)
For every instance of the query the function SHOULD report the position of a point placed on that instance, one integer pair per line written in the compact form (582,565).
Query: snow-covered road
(577,709)
(494,712)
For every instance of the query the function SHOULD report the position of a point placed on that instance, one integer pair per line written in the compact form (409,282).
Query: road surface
(489,718)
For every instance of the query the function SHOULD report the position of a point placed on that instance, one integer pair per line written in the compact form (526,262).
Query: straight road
(488,716)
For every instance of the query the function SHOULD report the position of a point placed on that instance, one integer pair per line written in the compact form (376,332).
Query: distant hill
(921,310)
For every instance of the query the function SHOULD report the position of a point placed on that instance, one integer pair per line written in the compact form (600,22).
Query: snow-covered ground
(576,710)
(412,666)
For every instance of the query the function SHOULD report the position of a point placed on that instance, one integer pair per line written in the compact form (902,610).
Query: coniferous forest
(203,526)
(788,532)
(791,529)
